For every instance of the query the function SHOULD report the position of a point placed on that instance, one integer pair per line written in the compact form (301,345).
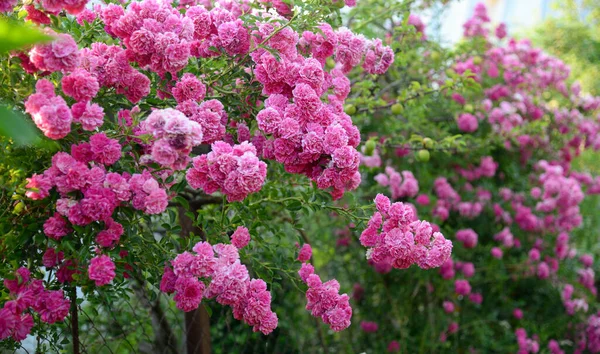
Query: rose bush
(242,151)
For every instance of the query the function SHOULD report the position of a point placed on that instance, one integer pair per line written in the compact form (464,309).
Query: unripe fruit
(350,109)
(469,108)
(339,4)
(370,146)
(428,143)
(330,63)
(19,208)
(477,60)
(435,56)
(397,108)
(423,155)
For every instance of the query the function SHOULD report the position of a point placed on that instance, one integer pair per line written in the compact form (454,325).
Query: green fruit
(330,63)
(350,109)
(435,56)
(428,143)
(19,208)
(339,4)
(450,72)
(423,155)
(469,108)
(397,108)
(477,60)
(370,146)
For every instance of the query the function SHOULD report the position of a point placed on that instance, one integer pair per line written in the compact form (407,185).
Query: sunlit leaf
(16,127)
(14,35)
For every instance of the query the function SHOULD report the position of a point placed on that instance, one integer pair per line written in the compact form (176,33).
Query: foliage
(574,37)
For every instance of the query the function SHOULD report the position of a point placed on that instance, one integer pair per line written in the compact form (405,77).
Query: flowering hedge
(267,125)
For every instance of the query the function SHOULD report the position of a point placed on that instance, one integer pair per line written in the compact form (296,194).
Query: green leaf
(181,200)
(14,126)
(294,205)
(15,35)
(208,310)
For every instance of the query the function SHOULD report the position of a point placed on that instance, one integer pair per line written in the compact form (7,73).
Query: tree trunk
(197,328)
(74,320)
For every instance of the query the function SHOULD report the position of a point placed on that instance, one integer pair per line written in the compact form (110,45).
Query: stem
(321,336)
(74,320)
(390,104)
(163,334)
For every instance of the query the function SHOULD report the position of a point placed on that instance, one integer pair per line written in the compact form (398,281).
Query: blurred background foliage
(574,36)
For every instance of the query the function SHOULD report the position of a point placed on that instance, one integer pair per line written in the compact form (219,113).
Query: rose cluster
(306,134)
(7,5)
(592,334)
(90,69)
(235,170)
(395,236)
(560,194)
(447,198)
(101,270)
(323,299)
(467,237)
(109,65)
(156,35)
(240,237)
(193,276)
(27,293)
(487,168)
(61,54)
(209,114)
(54,7)
(174,135)
(89,193)
(84,173)
(401,186)
(49,112)
(571,304)
(65,268)
(450,267)
(526,345)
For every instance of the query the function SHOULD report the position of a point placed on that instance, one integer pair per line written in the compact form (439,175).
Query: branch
(417,95)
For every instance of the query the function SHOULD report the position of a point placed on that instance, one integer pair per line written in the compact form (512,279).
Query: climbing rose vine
(131,164)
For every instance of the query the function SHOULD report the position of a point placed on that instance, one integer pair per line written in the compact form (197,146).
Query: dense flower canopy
(264,127)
